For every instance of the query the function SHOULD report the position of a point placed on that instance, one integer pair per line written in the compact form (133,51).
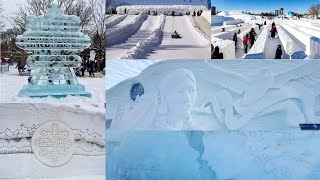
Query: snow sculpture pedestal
(54,40)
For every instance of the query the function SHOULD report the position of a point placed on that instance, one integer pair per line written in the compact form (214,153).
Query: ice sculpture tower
(54,40)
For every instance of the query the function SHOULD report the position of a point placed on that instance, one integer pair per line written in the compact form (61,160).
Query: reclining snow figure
(54,40)
(227,99)
(170,108)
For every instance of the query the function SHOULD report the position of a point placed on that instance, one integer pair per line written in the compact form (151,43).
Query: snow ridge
(115,21)
(145,46)
(120,35)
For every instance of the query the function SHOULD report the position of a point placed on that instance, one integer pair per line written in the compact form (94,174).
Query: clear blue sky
(257,6)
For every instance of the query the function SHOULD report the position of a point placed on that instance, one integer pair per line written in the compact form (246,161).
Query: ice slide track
(191,45)
(118,51)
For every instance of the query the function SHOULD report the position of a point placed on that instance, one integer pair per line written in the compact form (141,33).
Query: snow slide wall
(120,35)
(143,47)
(116,21)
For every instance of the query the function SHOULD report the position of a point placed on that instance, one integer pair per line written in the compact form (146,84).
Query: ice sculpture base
(56,91)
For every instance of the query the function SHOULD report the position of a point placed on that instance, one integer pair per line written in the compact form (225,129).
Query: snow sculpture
(53,143)
(170,109)
(54,40)
(281,96)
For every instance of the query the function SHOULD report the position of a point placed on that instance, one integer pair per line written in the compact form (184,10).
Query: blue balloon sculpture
(54,40)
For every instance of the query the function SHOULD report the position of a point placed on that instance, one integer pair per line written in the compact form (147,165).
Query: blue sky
(257,6)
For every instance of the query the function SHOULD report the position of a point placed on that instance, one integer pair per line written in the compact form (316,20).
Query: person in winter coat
(235,39)
(265,23)
(239,31)
(216,54)
(245,42)
(252,34)
(273,31)
(278,52)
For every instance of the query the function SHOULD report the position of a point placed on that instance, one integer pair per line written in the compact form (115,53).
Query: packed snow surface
(208,95)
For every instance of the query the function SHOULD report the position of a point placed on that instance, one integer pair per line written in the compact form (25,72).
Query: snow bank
(256,52)
(160,9)
(115,21)
(121,34)
(146,46)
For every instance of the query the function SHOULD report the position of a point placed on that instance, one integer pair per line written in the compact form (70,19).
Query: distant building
(279,12)
(213,10)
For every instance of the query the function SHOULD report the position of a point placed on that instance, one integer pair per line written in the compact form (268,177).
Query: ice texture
(54,40)
(213,155)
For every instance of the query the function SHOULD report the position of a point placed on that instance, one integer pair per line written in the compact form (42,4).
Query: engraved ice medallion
(53,143)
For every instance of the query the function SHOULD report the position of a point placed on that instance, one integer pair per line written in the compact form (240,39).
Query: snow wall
(160,9)
(225,46)
(256,52)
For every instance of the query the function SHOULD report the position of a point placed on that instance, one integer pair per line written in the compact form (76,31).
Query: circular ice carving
(136,90)
(53,143)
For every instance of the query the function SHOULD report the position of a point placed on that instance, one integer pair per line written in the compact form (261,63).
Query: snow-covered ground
(21,116)
(299,38)
(214,95)
(213,155)
(11,84)
(147,36)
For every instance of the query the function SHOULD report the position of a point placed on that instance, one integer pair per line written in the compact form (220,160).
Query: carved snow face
(180,92)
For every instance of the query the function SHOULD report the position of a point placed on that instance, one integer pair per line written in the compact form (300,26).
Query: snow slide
(146,30)
(191,45)
(117,35)
(143,47)
(114,20)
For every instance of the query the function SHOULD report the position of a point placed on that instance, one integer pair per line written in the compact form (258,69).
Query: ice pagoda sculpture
(54,40)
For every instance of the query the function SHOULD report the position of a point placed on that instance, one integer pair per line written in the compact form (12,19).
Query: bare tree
(35,7)
(2,25)
(98,24)
(315,10)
